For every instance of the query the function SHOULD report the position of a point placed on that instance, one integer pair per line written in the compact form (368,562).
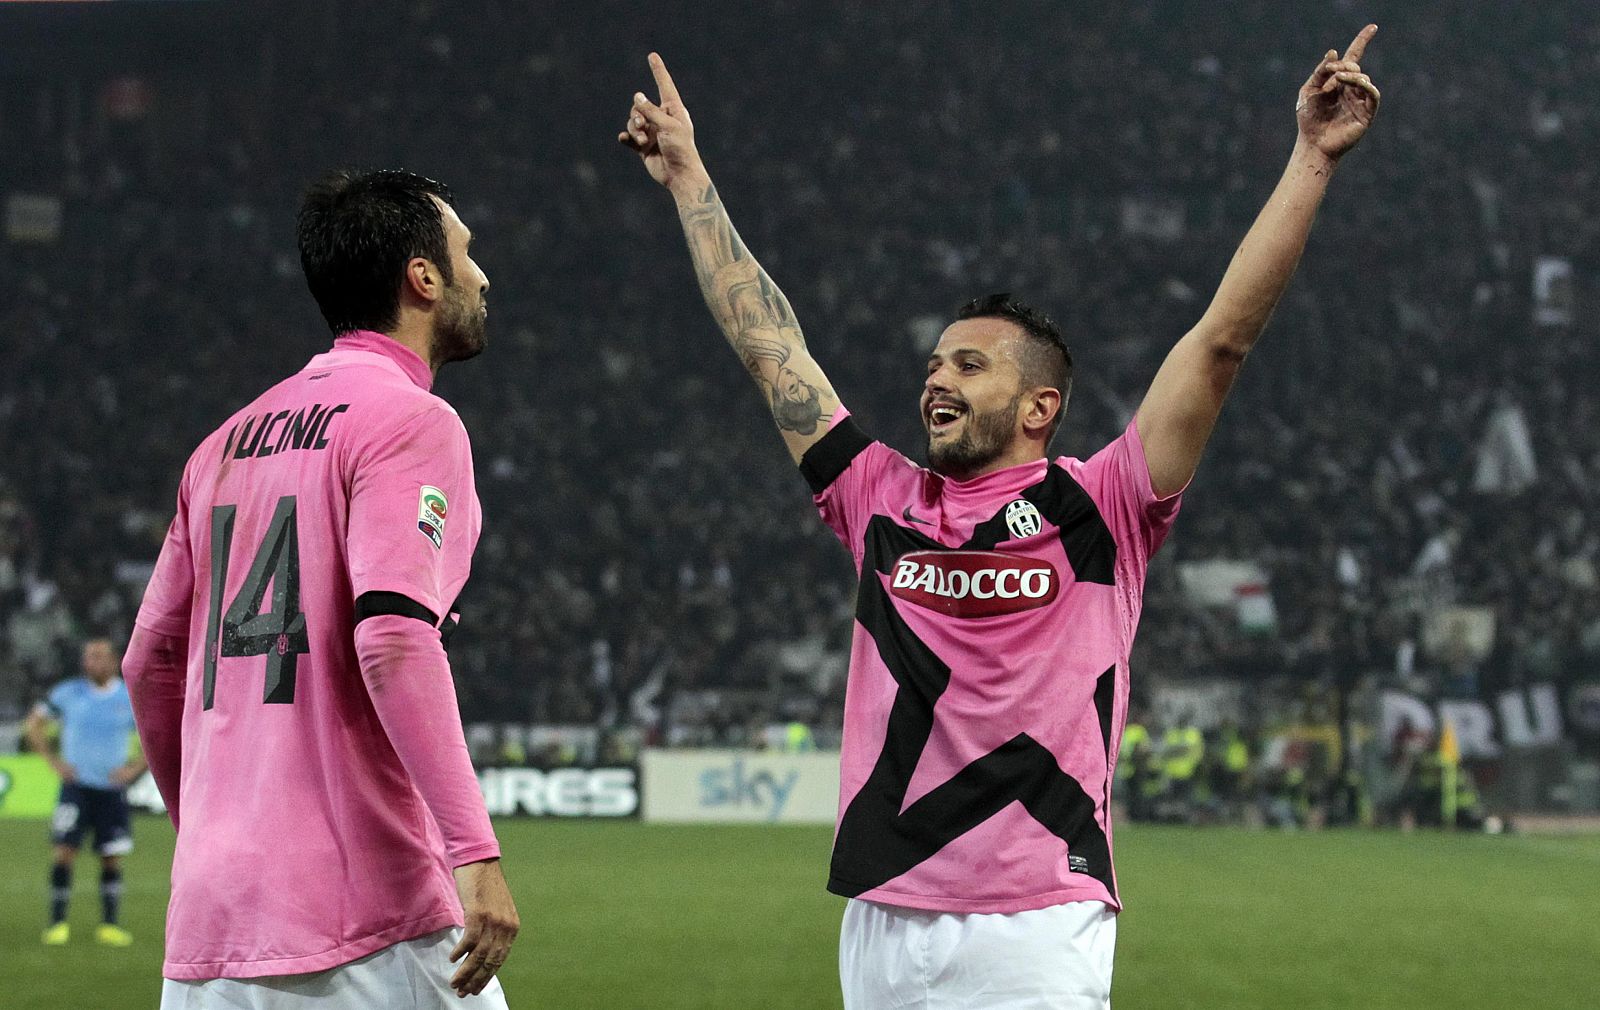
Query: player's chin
(945,454)
(469,343)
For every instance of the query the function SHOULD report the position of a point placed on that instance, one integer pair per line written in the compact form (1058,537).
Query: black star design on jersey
(876,842)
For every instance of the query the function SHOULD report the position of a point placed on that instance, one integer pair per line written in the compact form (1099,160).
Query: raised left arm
(1176,419)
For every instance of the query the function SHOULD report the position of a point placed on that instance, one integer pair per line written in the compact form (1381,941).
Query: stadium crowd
(1419,428)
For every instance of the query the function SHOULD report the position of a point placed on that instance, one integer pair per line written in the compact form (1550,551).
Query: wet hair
(1045,359)
(357,230)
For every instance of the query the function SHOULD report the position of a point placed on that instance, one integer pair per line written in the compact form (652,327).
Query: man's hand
(126,775)
(664,134)
(1338,101)
(64,771)
(492,925)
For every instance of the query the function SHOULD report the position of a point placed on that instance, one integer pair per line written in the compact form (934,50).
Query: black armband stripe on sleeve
(379,602)
(832,454)
(448,626)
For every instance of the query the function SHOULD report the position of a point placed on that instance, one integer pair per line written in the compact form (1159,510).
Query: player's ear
(1042,407)
(422,279)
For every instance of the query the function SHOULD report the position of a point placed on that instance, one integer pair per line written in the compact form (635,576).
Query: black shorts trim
(832,454)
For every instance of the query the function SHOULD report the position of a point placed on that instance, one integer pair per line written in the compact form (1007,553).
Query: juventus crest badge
(1022,519)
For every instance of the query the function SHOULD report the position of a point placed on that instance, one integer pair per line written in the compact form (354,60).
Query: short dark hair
(1046,361)
(357,230)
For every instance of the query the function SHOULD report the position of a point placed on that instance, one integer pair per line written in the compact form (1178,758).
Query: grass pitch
(626,915)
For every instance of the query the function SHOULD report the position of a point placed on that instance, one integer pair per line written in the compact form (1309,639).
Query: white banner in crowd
(560,792)
(1526,718)
(740,786)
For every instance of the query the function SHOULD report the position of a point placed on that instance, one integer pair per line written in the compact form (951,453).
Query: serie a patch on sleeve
(432,507)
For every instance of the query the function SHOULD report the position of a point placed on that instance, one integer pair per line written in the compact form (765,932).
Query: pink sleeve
(169,597)
(154,671)
(408,678)
(1118,479)
(411,501)
(156,662)
(846,469)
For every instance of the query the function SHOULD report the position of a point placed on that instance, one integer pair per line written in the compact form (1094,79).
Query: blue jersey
(96,723)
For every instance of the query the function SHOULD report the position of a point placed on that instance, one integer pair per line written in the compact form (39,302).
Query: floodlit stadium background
(1395,529)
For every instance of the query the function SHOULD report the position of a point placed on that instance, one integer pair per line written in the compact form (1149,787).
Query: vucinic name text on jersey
(306,428)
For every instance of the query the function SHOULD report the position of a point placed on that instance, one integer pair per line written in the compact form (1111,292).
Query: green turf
(631,915)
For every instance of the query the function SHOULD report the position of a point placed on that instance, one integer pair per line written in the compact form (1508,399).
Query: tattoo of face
(796,404)
(752,311)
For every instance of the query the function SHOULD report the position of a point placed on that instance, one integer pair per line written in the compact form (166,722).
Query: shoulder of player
(68,688)
(847,443)
(1117,447)
(420,422)
(861,461)
(1115,479)
(1071,464)
(883,454)
(427,411)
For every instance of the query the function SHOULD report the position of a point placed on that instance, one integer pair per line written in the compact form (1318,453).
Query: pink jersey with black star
(303,840)
(988,672)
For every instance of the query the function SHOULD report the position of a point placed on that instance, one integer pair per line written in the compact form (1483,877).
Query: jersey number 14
(280,633)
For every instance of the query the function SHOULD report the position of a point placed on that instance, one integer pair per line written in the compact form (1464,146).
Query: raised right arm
(753,314)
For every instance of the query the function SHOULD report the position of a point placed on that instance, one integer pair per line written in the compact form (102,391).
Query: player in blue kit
(95,769)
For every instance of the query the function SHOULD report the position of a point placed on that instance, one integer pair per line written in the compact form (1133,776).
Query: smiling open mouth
(941,416)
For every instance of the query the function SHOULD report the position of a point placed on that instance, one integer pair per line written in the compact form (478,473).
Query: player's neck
(416,336)
(1016,455)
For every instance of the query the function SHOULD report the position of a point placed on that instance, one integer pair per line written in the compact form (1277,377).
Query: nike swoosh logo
(913,519)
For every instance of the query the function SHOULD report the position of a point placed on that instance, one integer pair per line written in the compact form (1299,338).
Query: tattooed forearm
(713,245)
(754,315)
(758,348)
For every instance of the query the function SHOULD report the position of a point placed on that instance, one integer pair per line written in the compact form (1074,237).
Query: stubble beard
(461,331)
(983,440)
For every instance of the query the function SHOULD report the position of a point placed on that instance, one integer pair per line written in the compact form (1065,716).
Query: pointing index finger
(1358,46)
(669,91)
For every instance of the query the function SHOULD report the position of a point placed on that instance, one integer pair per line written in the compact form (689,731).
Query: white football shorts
(1056,958)
(409,975)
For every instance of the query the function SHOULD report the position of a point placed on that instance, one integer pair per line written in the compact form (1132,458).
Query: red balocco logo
(973,583)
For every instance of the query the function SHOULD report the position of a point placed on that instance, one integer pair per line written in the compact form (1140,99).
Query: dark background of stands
(646,539)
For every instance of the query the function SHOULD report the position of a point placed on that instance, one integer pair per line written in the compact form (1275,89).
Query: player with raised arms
(287,667)
(999,589)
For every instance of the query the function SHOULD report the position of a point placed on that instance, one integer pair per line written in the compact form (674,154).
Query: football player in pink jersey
(287,669)
(999,589)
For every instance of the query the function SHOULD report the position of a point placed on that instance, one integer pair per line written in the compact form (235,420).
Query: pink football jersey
(303,842)
(988,672)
